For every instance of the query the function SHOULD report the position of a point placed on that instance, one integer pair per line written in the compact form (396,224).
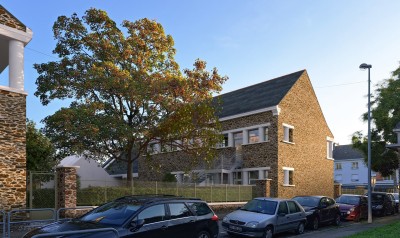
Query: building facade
(351,171)
(272,130)
(13,37)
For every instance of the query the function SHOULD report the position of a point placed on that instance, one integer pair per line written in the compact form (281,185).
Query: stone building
(14,36)
(272,130)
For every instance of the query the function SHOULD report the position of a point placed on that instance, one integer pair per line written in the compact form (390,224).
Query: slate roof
(344,152)
(258,96)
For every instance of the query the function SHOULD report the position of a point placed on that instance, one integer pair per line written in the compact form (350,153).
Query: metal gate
(42,191)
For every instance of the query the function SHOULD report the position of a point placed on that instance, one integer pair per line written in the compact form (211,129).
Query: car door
(295,215)
(283,219)
(333,209)
(323,207)
(155,223)
(181,221)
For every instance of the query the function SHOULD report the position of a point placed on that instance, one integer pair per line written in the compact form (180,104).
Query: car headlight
(351,209)
(252,224)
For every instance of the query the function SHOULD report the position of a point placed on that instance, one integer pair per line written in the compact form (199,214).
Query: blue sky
(249,41)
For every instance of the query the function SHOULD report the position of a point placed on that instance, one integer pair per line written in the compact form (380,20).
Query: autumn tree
(126,91)
(385,114)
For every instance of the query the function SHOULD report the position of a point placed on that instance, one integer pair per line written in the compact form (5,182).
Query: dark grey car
(264,217)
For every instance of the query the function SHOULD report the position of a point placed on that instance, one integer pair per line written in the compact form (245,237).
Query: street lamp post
(368,66)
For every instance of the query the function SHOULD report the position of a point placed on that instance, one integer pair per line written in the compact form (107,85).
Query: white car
(264,217)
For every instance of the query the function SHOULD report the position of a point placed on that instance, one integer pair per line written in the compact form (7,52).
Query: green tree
(385,114)
(127,91)
(40,153)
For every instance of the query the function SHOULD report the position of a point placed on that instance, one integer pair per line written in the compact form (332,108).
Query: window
(237,139)
(266,134)
(254,136)
(178,210)
(354,177)
(293,208)
(153,214)
(338,177)
(253,176)
(237,177)
(354,165)
(288,133)
(200,208)
(288,176)
(152,148)
(338,166)
(283,209)
(329,149)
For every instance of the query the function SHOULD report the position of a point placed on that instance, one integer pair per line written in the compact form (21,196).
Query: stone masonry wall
(9,20)
(313,171)
(12,150)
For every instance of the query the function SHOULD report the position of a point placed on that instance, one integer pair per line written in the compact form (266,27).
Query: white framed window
(237,139)
(354,178)
(288,176)
(237,177)
(329,148)
(288,133)
(253,176)
(354,165)
(266,133)
(254,136)
(338,166)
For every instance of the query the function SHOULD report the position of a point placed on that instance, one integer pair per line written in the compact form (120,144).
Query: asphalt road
(331,231)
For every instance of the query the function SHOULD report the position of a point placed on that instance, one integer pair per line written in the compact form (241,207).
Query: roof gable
(345,152)
(259,96)
(7,19)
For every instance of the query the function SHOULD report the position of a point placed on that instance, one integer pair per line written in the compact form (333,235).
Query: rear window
(200,208)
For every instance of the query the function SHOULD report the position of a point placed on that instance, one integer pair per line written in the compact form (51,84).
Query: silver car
(264,217)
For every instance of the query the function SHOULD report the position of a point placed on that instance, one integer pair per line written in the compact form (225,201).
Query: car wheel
(300,228)
(315,223)
(337,220)
(268,232)
(203,234)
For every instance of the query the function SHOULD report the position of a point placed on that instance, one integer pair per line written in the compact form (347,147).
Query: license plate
(235,228)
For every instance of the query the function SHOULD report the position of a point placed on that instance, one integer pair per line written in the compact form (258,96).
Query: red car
(353,207)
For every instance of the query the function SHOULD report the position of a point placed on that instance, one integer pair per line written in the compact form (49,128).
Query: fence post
(177,189)
(239,192)
(31,190)
(195,191)
(226,192)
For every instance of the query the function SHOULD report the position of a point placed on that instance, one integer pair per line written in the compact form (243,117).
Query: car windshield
(260,206)
(307,201)
(113,213)
(352,200)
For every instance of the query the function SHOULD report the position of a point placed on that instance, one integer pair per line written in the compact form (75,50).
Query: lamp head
(365,66)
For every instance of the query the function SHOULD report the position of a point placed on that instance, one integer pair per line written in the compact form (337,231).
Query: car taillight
(214,218)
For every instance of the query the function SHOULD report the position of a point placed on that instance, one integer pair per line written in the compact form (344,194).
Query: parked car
(144,216)
(353,207)
(382,204)
(319,210)
(264,217)
(396,200)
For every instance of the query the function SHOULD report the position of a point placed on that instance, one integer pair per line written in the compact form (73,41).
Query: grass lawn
(388,231)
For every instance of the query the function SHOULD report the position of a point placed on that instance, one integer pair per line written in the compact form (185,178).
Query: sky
(250,41)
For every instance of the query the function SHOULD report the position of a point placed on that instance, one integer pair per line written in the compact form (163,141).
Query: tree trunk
(129,177)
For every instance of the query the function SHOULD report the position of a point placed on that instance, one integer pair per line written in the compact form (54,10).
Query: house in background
(351,170)
(272,130)
(89,172)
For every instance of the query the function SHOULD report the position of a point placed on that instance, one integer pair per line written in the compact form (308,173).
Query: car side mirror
(136,225)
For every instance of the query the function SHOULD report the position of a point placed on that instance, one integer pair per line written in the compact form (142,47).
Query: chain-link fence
(92,196)
(41,190)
